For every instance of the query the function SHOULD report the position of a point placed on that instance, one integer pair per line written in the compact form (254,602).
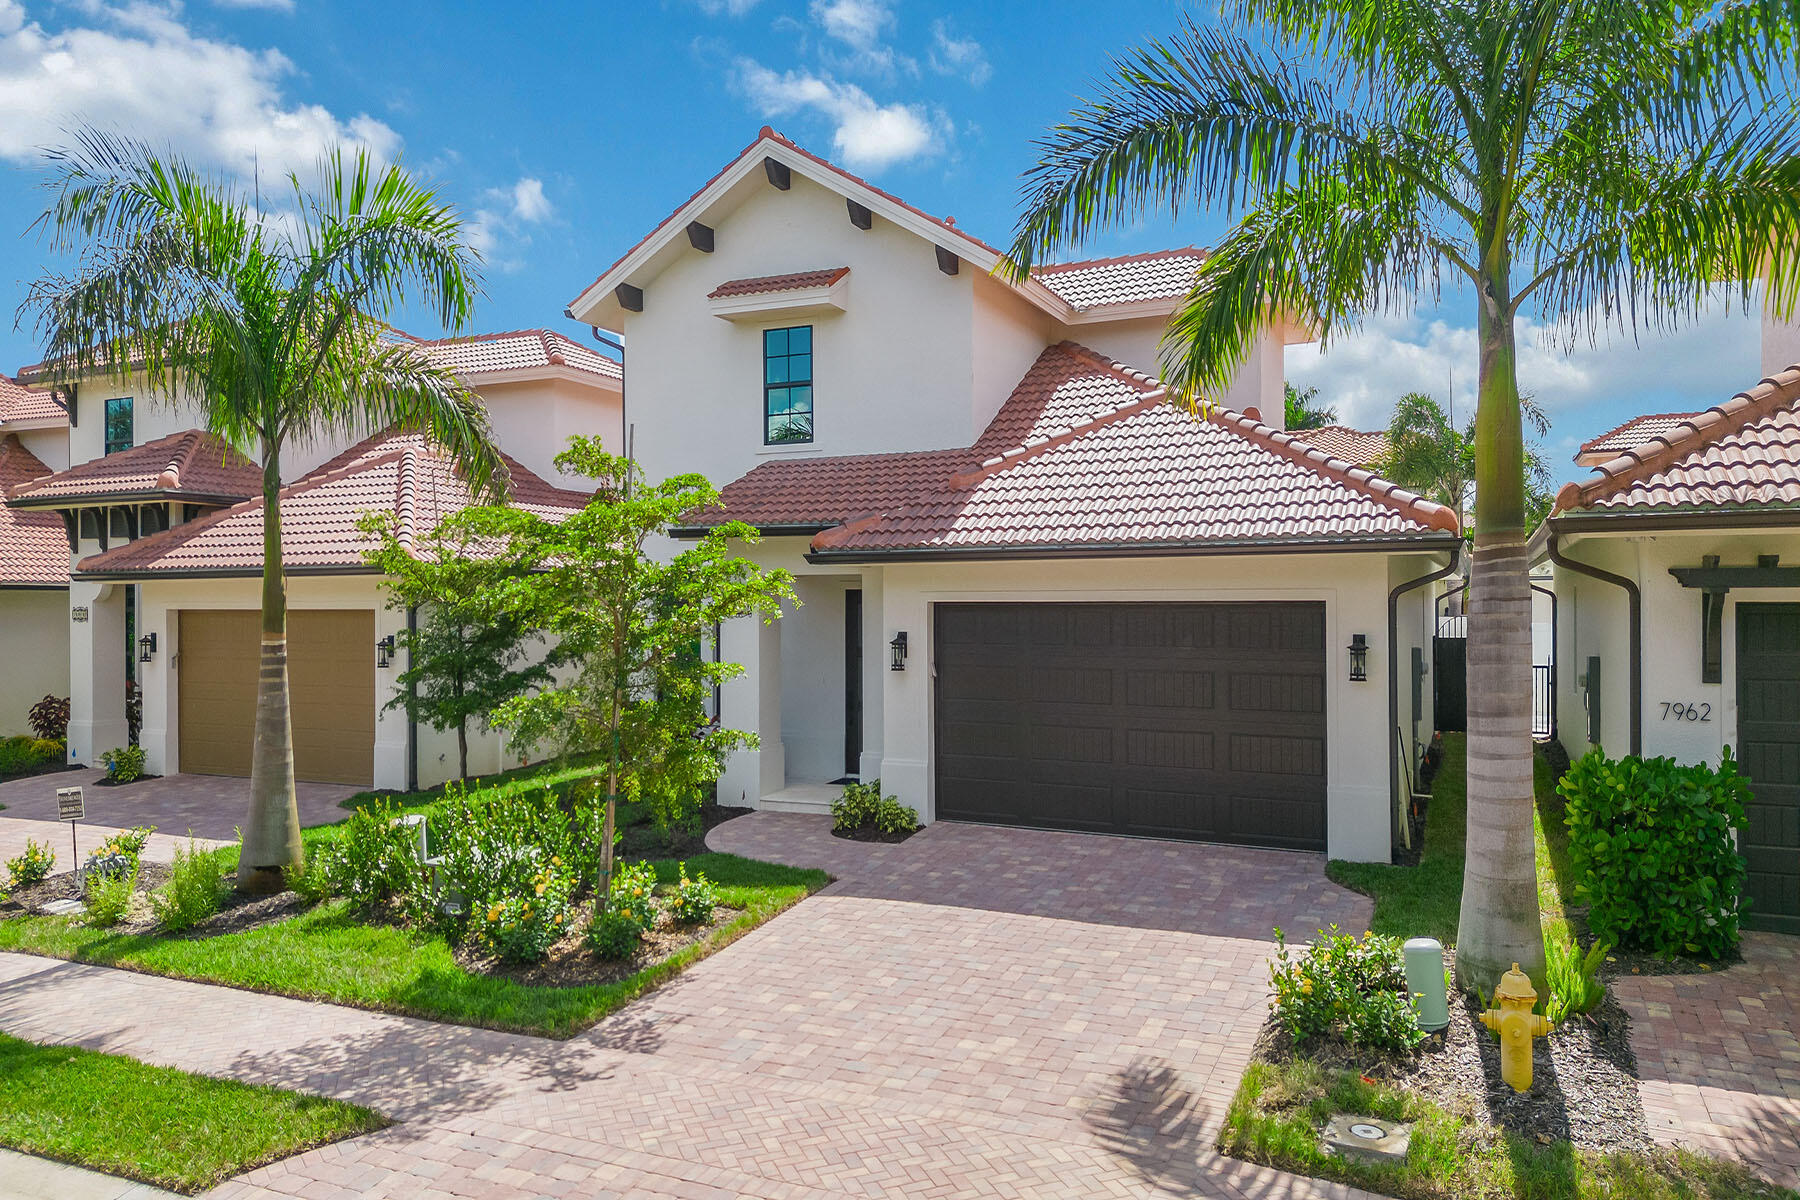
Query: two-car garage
(1186,720)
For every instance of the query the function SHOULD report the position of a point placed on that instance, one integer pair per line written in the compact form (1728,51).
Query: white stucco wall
(51,446)
(1258,382)
(34,648)
(533,421)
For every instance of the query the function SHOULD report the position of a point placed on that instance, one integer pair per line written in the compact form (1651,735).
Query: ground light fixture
(384,651)
(147,647)
(1359,657)
(897,652)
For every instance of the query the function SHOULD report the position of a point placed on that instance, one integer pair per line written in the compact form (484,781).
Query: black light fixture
(147,647)
(384,651)
(1359,657)
(897,652)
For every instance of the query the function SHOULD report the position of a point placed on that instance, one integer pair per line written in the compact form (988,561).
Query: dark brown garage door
(1201,721)
(1769,745)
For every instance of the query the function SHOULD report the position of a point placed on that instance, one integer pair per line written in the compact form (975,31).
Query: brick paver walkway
(14,834)
(211,806)
(1719,1056)
(978,1012)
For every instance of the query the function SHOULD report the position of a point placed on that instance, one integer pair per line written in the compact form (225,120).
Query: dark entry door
(1768,666)
(1450,684)
(853,681)
(1202,721)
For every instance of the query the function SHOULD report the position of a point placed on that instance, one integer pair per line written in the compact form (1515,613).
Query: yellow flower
(1306,986)
(540,887)
(556,860)
(494,913)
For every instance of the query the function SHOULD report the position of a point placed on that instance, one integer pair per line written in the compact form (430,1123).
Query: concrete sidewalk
(24,1177)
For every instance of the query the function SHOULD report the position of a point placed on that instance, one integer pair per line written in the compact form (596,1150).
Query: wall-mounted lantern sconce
(147,647)
(1359,657)
(897,652)
(384,651)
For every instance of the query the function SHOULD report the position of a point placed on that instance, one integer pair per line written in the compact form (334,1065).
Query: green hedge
(1652,846)
(25,753)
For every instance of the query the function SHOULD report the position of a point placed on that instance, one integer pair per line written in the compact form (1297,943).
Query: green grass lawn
(155,1124)
(1278,1110)
(324,954)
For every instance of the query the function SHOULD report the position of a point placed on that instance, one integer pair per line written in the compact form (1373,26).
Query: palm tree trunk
(1499,924)
(272,830)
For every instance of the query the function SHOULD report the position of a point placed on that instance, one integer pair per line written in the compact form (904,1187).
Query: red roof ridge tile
(1426,512)
(461,339)
(1637,420)
(1060,437)
(1142,256)
(849,529)
(405,483)
(1772,394)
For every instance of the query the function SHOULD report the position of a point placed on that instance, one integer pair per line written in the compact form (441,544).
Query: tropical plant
(465,657)
(49,718)
(1430,454)
(1302,409)
(1347,988)
(109,896)
(856,806)
(1575,986)
(125,764)
(629,625)
(1588,164)
(196,886)
(32,865)
(273,322)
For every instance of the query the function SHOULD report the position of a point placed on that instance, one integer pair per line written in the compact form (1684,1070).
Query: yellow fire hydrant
(1516,1025)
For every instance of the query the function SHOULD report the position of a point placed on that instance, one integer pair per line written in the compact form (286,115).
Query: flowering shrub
(493,850)
(33,865)
(693,900)
(614,935)
(127,843)
(371,862)
(522,929)
(1353,989)
(21,754)
(631,893)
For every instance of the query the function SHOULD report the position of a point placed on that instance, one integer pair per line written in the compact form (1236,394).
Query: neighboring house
(1033,591)
(34,559)
(1364,447)
(163,525)
(1636,432)
(1677,573)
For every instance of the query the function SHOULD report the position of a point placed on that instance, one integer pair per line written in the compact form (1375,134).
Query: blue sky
(565,132)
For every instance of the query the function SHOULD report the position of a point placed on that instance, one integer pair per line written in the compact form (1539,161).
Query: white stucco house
(1677,578)
(158,528)
(1033,592)
(34,559)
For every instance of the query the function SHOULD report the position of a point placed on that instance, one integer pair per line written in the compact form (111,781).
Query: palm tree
(1430,455)
(1303,410)
(1588,162)
(273,323)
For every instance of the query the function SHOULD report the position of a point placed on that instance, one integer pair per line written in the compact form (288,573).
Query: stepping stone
(1352,1135)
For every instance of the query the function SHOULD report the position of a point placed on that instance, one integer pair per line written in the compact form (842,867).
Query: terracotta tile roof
(1086,454)
(1629,436)
(518,349)
(760,284)
(1095,283)
(396,471)
(191,463)
(34,550)
(18,403)
(1742,453)
(1364,447)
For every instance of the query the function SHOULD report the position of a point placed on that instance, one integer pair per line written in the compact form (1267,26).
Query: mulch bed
(237,912)
(571,964)
(54,768)
(1584,1076)
(645,841)
(107,781)
(868,833)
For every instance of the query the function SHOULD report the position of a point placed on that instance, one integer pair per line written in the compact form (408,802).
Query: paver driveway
(977,1012)
(209,806)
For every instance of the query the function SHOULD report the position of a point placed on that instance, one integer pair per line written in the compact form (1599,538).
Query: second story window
(118,424)
(787,386)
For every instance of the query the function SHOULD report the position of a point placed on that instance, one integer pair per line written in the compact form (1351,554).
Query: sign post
(71,806)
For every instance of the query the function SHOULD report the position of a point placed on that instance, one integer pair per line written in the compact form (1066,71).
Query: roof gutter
(150,573)
(1635,654)
(799,529)
(1440,541)
(1393,641)
(1676,519)
(30,503)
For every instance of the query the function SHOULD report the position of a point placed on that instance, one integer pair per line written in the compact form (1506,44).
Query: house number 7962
(1676,710)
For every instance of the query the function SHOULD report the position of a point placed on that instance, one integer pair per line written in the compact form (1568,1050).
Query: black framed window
(787,386)
(118,424)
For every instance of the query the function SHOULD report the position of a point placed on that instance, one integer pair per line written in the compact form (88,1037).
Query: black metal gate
(1450,668)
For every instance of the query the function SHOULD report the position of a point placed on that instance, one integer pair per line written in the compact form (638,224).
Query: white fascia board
(834,297)
(476,379)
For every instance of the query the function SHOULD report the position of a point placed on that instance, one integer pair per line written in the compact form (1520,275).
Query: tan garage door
(331,681)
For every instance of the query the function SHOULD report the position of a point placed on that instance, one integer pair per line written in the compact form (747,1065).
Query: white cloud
(495,229)
(529,202)
(951,55)
(865,135)
(731,8)
(139,70)
(862,26)
(270,5)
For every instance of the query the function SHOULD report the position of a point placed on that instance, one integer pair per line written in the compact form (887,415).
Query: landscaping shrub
(33,865)
(632,893)
(522,928)
(495,850)
(1651,843)
(1353,989)
(49,718)
(614,935)
(311,880)
(374,860)
(124,765)
(193,891)
(20,754)
(109,896)
(1574,979)
(693,900)
(128,843)
(857,806)
(893,818)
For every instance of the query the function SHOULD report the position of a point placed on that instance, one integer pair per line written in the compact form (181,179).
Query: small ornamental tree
(466,655)
(629,626)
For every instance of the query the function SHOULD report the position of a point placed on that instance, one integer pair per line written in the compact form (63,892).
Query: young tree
(1588,161)
(629,628)
(1429,455)
(273,323)
(1303,410)
(465,655)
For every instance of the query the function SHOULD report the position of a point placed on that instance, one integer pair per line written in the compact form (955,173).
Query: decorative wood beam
(700,237)
(778,174)
(631,299)
(1719,579)
(68,516)
(860,217)
(948,263)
